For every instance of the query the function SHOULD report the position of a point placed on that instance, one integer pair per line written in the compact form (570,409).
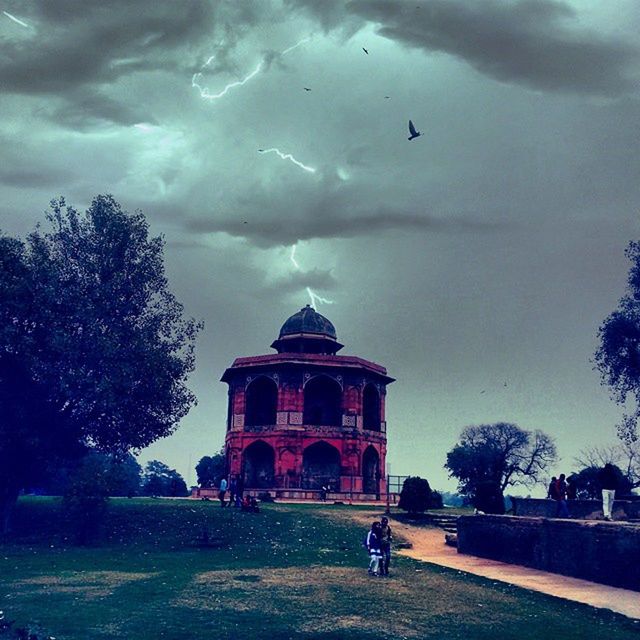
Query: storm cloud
(536,43)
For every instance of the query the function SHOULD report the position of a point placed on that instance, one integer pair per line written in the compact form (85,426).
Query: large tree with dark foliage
(210,469)
(491,457)
(618,357)
(160,480)
(94,349)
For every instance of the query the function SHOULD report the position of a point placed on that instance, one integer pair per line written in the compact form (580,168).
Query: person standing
(608,482)
(223,491)
(373,547)
(562,511)
(552,491)
(385,546)
(233,484)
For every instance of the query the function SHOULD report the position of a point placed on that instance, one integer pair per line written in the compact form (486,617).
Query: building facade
(305,418)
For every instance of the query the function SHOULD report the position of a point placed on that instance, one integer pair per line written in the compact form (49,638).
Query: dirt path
(428,546)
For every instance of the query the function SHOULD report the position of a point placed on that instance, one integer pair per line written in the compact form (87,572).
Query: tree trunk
(8,499)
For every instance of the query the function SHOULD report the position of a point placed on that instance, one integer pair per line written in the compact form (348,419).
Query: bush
(436,500)
(415,496)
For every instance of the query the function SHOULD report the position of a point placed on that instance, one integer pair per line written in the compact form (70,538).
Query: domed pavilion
(304,417)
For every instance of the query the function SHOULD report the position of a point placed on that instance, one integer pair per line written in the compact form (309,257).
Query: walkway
(428,546)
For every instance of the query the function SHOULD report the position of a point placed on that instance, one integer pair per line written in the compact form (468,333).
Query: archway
(371,471)
(320,466)
(261,402)
(322,402)
(258,465)
(371,408)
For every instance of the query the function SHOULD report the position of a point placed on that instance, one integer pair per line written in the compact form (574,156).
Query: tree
(415,496)
(589,487)
(94,349)
(618,359)
(118,476)
(160,480)
(210,469)
(489,458)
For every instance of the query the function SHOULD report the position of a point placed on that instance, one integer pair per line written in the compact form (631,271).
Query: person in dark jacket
(552,492)
(385,546)
(562,511)
(608,481)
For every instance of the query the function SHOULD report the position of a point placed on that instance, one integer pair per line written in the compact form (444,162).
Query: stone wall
(606,552)
(589,509)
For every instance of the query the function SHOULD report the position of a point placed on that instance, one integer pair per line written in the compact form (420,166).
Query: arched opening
(371,408)
(257,465)
(261,402)
(322,402)
(321,467)
(371,471)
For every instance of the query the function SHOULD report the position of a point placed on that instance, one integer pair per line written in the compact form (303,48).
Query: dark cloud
(33,177)
(268,233)
(90,43)
(536,43)
(86,108)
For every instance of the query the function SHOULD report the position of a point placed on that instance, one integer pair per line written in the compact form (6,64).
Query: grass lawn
(291,571)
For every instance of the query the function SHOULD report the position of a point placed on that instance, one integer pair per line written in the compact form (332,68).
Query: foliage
(625,455)
(415,496)
(94,349)
(122,474)
(588,486)
(489,458)
(436,502)
(210,469)
(618,360)
(160,480)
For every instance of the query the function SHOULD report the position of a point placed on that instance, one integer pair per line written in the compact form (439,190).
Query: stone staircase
(444,521)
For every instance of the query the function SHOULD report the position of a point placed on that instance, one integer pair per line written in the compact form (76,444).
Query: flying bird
(387,97)
(412,131)
(365,50)
(306,89)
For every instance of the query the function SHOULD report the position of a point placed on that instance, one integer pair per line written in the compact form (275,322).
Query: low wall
(605,552)
(302,494)
(584,509)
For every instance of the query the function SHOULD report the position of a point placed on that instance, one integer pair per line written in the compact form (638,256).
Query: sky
(476,262)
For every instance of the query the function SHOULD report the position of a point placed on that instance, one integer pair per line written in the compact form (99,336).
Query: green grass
(291,571)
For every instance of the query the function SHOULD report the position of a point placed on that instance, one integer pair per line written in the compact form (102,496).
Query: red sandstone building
(305,417)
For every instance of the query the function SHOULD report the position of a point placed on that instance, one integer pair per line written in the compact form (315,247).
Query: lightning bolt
(288,156)
(22,24)
(204,91)
(313,296)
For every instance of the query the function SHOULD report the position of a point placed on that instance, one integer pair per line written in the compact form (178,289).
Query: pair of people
(558,491)
(378,543)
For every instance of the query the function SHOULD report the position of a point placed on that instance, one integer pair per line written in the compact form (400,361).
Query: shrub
(415,496)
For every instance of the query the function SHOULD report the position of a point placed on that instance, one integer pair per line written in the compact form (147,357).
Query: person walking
(385,546)
(608,482)
(373,547)
(223,491)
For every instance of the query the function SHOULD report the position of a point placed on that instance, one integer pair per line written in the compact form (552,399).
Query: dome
(307,332)
(308,320)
